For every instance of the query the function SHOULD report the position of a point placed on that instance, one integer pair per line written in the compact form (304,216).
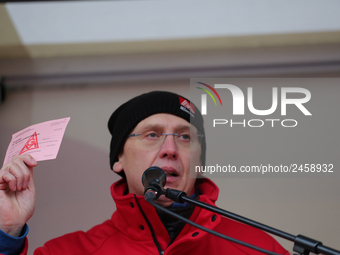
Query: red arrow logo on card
(31,144)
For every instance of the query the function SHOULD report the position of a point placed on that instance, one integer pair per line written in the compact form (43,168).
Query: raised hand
(17,194)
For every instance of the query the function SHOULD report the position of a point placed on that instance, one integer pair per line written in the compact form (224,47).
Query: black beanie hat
(129,114)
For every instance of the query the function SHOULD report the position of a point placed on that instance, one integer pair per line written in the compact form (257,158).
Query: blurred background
(82,59)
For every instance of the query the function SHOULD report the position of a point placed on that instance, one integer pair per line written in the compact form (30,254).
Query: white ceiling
(92,41)
(114,21)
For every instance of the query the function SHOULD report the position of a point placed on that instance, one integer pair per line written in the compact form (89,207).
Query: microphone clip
(154,188)
(175,195)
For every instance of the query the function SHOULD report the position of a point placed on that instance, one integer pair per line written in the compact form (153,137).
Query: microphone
(153,179)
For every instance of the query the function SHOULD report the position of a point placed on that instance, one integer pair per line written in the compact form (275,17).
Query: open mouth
(171,174)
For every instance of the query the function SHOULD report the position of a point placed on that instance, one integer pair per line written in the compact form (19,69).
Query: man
(155,129)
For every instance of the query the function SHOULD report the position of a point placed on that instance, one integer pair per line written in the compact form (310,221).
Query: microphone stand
(150,195)
(302,244)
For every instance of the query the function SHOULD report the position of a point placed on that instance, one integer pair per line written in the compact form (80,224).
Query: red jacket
(129,232)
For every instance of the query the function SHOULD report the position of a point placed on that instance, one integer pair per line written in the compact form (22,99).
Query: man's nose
(169,147)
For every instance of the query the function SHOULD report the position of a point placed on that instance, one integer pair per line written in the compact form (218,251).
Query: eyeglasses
(154,139)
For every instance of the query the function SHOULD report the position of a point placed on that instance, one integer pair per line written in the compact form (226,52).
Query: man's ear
(117,167)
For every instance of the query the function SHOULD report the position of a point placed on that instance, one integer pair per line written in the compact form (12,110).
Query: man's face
(173,155)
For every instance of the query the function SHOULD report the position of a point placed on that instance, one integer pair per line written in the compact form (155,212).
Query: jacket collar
(129,219)
(204,186)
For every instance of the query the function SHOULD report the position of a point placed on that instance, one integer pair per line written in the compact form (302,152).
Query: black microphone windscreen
(154,178)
